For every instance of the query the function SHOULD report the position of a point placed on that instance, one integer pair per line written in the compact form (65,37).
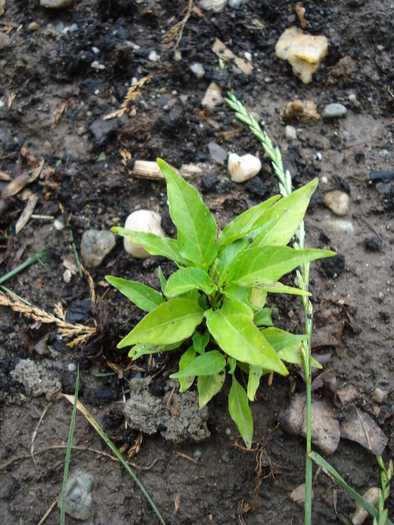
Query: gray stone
(216,6)
(36,379)
(178,414)
(2,7)
(95,245)
(217,153)
(5,41)
(197,69)
(55,4)
(78,495)
(334,111)
(104,130)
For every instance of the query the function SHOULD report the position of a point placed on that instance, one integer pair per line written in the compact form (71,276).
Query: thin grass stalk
(33,259)
(68,455)
(285,188)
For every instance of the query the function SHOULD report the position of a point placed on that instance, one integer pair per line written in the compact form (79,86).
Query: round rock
(334,111)
(95,245)
(338,202)
(142,221)
(55,4)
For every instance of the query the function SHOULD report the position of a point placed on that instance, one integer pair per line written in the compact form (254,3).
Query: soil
(52,95)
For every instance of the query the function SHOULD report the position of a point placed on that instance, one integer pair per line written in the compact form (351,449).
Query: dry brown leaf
(26,214)
(4,176)
(361,428)
(300,11)
(15,186)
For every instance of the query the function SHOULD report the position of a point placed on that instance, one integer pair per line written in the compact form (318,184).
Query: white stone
(379,396)
(153,56)
(248,56)
(213,96)
(291,132)
(243,168)
(2,7)
(142,221)
(216,6)
(67,276)
(339,226)
(198,69)
(55,4)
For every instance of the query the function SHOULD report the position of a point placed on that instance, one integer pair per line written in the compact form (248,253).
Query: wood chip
(26,214)
(226,54)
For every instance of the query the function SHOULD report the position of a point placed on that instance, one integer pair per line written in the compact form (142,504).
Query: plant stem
(285,188)
(33,259)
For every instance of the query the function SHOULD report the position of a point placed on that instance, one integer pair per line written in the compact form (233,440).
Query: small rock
(334,111)
(325,426)
(209,181)
(347,396)
(360,514)
(291,132)
(334,266)
(360,427)
(243,168)
(33,26)
(2,7)
(379,396)
(104,130)
(71,367)
(67,276)
(216,6)
(217,153)
(96,245)
(303,51)
(213,96)
(256,186)
(5,41)
(35,379)
(197,69)
(142,221)
(338,226)
(373,244)
(153,56)
(6,139)
(384,153)
(226,457)
(236,3)
(338,202)
(78,496)
(55,4)
(197,455)
(97,65)
(303,112)
(298,495)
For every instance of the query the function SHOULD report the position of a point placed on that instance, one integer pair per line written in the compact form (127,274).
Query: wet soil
(54,89)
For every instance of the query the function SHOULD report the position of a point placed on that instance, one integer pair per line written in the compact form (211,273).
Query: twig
(178,28)
(53,505)
(185,456)
(36,431)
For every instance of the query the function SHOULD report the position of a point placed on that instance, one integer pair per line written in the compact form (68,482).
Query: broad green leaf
(268,264)
(240,412)
(162,279)
(186,279)
(209,386)
(293,354)
(195,224)
(281,288)
(255,373)
(192,295)
(278,225)
(257,298)
(232,327)
(263,317)
(239,293)
(141,295)
(227,257)
(244,223)
(146,349)
(279,339)
(187,358)
(204,365)
(171,322)
(200,341)
(154,244)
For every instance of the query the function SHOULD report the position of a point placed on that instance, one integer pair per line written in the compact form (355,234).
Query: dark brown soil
(45,69)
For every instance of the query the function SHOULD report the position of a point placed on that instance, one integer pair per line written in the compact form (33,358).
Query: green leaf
(244,223)
(232,327)
(239,293)
(278,225)
(187,358)
(257,298)
(204,365)
(255,373)
(162,279)
(281,288)
(232,365)
(154,244)
(209,386)
(263,317)
(147,349)
(227,257)
(186,279)
(240,412)
(280,338)
(141,295)
(200,341)
(171,322)
(268,264)
(195,224)
(293,354)
(192,295)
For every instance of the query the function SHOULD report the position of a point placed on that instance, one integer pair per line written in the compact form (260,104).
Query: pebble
(142,221)
(213,96)
(33,26)
(78,495)
(226,457)
(346,396)
(96,245)
(197,455)
(216,6)
(55,4)
(338,202)
(298,495)
(97,65)
(291,132)
(104,130)
(360,514)
(243,168)
(339,226)
(197,69)
(379,396)
(217,153)
(2,7)
(334,111)
(71,367)
(153,56)
(67,276)
(5,41)
(384,153)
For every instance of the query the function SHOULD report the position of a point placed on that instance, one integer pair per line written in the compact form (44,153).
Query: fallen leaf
(361,428)
(26,214)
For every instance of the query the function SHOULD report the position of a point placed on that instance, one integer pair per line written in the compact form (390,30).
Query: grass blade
(68,454)
(104,436)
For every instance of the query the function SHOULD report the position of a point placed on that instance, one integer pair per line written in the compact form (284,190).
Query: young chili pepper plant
(216,299)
